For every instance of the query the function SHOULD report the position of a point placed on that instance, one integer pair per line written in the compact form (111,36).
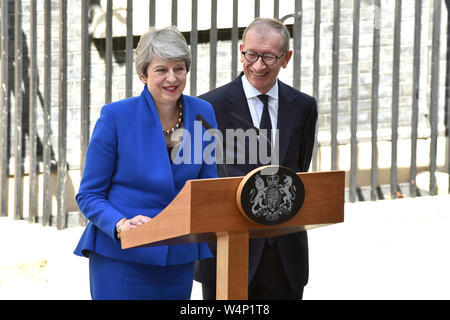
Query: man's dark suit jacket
(297,116)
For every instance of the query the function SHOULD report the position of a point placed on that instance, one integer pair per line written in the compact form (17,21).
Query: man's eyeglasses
(268,59)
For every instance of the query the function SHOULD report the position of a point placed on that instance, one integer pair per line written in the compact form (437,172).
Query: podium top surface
(205,208)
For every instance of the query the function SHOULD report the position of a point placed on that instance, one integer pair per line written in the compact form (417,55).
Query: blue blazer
(128,172)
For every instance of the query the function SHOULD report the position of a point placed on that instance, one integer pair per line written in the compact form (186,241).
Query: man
(278,267)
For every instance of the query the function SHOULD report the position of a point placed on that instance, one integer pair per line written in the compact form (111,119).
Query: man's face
(263,41)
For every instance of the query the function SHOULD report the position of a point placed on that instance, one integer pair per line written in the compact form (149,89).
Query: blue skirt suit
(128,172)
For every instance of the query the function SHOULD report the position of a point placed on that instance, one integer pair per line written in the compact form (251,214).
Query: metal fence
(19,96)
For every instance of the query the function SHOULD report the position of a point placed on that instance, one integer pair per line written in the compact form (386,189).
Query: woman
(129,176)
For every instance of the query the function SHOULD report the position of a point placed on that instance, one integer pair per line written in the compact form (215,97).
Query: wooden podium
(206,210)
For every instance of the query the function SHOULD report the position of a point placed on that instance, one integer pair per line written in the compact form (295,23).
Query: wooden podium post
(232,266)
(206,210)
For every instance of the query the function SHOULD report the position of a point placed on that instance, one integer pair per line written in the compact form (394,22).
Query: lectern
(206,210)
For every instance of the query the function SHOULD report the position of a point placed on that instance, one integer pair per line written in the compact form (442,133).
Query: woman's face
(165,80)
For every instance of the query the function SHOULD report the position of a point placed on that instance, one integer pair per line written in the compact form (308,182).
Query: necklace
(168,132)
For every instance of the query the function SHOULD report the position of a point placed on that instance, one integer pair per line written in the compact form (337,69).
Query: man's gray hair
(274,24)
(166,44)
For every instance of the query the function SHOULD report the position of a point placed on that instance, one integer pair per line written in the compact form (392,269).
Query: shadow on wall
(72,183)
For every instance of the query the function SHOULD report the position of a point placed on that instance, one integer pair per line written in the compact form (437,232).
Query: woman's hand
(127,224)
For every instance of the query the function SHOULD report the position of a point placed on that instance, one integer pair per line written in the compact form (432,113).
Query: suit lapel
(155,142)
(286,112)
(238,103)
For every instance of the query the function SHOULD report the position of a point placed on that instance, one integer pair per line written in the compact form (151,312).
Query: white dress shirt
(256,106)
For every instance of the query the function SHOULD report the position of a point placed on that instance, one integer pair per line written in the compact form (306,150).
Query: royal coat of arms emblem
(272,198)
